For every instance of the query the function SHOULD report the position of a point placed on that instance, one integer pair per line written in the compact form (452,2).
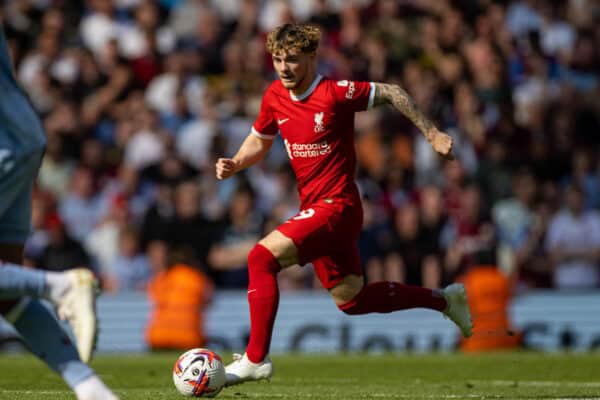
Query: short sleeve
(265,126)
(355,96)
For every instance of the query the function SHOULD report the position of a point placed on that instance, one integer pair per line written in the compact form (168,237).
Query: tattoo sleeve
(393,94)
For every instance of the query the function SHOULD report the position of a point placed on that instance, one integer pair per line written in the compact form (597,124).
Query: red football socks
(385,297)
(263,297)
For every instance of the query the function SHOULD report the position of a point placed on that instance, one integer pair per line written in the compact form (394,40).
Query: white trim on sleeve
(262,135)
(371,96)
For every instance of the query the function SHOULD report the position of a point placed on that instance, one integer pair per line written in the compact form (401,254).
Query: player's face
(292,67)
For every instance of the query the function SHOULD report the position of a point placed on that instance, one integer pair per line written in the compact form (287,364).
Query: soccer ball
(199,373)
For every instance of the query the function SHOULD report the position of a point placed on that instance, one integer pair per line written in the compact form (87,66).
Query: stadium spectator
(102,243)
(534,267)
(583,176)
(81,208)
(514,219)
(411,258)
(490,294)
(467,232)
(56,169)
(573,244)
(374,237)
(179,295)
(432,216)
(131,266)
(190,228)
(62,252)
(242,228)
(159,217)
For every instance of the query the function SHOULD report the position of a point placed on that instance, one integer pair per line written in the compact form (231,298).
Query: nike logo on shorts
(282,121)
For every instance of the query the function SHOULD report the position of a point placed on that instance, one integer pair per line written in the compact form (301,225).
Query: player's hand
(225,168)
(442,144)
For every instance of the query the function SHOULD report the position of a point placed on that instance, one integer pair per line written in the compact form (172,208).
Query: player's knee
(260,258)
(350,306)
(282,247)
(346,292)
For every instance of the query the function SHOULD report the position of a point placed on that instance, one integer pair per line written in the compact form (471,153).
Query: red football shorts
(326,234)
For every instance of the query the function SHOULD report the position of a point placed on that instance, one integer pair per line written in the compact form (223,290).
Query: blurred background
(139,98)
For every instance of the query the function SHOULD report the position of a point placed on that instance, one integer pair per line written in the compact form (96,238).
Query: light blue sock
(47,339)
(17,281)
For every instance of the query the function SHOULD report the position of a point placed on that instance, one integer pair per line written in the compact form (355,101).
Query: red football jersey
(318,132)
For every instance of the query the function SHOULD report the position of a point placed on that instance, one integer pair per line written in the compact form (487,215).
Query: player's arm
(396,96)
(251,151)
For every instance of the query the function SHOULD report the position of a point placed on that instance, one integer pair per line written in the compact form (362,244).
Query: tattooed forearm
(396,96)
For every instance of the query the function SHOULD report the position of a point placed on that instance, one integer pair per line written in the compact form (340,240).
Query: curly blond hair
(302,37)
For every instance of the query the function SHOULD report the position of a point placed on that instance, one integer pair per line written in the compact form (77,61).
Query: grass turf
(519,375)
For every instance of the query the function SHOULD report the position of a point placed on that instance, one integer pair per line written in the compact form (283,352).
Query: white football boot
(77,306)
(93,388)
(458,308)
(243,370)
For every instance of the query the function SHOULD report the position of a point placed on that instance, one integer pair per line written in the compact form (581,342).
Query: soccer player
(22,143)
(315,117)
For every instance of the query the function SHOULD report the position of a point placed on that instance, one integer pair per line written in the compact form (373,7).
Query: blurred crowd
(139,98)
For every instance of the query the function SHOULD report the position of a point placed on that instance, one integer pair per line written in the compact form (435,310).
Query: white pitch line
(537,383)
(312,396)
(8,391)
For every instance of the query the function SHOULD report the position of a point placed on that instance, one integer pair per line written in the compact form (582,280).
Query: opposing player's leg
(22,141)
(72,292)
(340,273)
(38,327)
(44,336)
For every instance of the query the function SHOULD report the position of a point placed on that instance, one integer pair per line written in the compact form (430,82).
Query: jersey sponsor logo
(306,150)
(319,127)
(282,121)
(304,214)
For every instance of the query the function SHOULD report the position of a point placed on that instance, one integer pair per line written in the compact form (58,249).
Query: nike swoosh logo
(251,290)
(282,121)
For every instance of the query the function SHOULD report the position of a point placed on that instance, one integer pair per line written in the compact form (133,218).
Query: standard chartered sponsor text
(305,150)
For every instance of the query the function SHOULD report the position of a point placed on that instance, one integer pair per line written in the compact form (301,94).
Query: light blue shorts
(16,181)
(22,142)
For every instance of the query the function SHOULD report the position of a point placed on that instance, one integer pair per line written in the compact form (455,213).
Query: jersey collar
(310,89)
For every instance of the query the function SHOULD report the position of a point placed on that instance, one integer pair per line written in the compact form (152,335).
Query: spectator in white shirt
(573,244)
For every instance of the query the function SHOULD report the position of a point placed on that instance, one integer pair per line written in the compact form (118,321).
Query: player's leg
(15,180)
(22,140)
(72,292)
(297,241)
(38,327)
(265,260)
(340,273)
(44,336)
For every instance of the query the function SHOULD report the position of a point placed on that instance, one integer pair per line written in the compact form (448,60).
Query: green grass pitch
(520,375)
